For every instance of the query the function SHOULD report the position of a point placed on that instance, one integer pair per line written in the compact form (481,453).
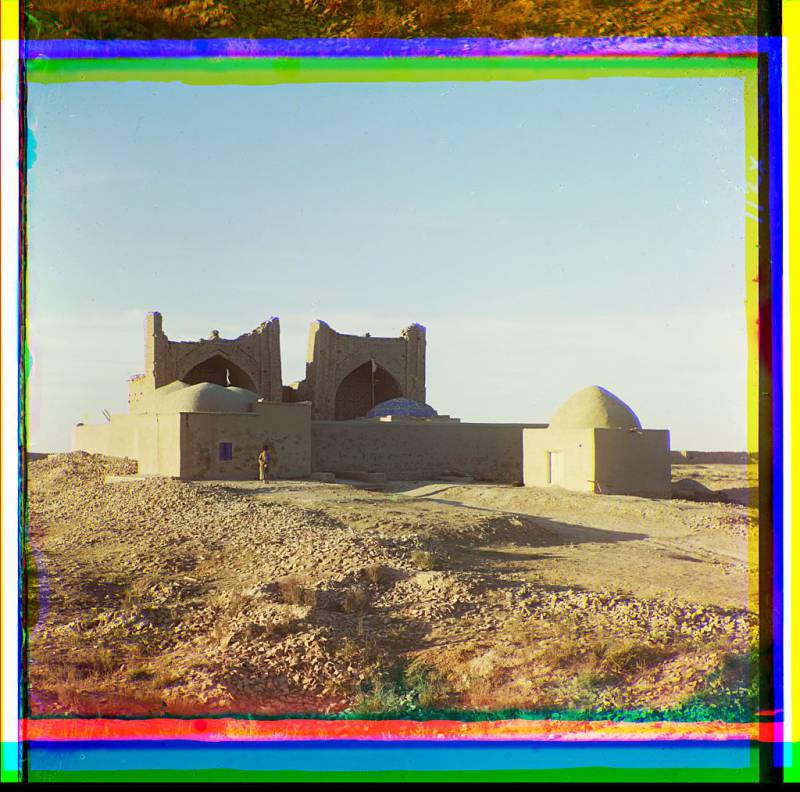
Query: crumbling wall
(333,356)
(253,359)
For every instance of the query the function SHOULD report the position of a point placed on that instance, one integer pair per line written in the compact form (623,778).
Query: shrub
(140,675)
(293,592)
(356,600)
(374,574)
(424,560)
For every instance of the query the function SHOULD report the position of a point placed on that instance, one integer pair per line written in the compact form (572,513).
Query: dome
(402,406)
(594,408)
(206,397)
(171,388)
(244,392)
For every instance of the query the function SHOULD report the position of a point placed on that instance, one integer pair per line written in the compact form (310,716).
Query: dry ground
(153,19)
(153,595)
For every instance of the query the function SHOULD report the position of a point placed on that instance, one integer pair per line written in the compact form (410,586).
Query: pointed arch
(364,387)
(220,370)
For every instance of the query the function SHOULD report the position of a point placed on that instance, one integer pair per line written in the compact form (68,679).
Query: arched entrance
(219,370)
(362,389)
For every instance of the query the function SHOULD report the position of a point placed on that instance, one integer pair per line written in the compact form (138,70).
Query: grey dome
(594,408)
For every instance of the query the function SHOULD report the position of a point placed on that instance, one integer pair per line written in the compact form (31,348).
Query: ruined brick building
(203,409)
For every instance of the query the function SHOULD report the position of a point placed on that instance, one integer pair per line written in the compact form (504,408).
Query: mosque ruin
(203,410)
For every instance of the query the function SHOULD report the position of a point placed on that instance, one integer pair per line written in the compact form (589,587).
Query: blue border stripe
(391,48)
(382,756)
(772,159)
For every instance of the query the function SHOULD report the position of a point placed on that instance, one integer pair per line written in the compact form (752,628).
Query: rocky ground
(153,595)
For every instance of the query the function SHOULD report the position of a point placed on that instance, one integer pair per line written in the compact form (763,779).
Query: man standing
(263,464)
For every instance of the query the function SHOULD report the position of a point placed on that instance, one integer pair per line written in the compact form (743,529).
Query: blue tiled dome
(402,406)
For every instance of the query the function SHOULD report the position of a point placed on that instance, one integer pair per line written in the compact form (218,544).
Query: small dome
(207,397)
(594,408)
(402,406)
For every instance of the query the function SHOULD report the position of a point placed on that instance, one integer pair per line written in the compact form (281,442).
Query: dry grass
(356,600)
(106,19)
(425,560)
(375,574)
(294,592)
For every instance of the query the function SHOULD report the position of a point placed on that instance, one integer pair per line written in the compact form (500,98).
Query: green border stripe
(582,774)
(273,71)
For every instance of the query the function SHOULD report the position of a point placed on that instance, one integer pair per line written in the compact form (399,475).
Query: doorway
(555,467)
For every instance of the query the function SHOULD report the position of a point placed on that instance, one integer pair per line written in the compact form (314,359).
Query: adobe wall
(256,354)
(287,427)
(159,445)
(92,438)
(118,438)
(578,460)
(712,457)
(633,463)
(152,440)
(139,386)
(332,356)
(409,451)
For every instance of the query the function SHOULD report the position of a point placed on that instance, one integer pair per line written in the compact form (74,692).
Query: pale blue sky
(568,233)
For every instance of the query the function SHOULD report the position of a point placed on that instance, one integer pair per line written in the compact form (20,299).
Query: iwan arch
(203,409)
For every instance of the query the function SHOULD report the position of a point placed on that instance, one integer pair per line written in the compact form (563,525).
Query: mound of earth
(152,595)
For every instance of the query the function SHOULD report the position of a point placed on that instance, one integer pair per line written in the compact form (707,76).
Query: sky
(550,235)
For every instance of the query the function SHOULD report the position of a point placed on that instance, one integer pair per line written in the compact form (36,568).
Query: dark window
(226,452)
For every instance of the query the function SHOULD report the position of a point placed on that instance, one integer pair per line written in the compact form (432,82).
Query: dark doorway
(220,371)
(362,389)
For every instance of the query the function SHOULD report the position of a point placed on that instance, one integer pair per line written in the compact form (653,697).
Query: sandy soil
(153,595)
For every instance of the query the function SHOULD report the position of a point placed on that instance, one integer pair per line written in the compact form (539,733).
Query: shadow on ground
(691,490)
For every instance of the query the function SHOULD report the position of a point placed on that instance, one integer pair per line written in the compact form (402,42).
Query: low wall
(712,457)
(92,438)
(419,450)
(119,438)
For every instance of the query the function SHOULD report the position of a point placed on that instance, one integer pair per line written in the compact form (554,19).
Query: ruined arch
(217,369)
(364,387)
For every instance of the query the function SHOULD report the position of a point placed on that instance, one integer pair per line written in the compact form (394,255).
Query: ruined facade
(347,375)
(251,361)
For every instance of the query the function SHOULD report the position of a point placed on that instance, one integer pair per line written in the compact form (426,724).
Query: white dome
(206,397)
(594,408)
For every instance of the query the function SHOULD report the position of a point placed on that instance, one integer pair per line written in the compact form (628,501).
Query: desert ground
(155,596)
